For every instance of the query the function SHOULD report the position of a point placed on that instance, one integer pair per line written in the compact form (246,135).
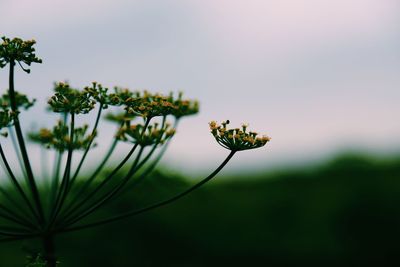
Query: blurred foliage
(344,213)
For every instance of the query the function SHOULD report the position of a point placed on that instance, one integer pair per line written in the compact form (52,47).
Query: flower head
(17,50)
(120,95)
(22,101)
(150,105)
(154,134)
(58,137)
(69,100)
(185,107)
(236,139)
(99,93)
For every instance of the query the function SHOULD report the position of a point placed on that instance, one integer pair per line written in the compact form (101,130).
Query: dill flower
(58,137)
(237,139)
(69,100)
(154,135)
(185,107)
(99,93)
(16,49)
(21,100)
(150,105)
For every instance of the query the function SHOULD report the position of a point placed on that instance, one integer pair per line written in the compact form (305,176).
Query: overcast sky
(318,76)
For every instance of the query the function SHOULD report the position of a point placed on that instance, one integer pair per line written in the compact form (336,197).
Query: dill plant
(33,210)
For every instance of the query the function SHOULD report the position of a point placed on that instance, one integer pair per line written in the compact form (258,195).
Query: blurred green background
(342,213)
(319,77)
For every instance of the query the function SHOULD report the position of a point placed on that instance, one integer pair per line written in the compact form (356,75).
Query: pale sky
(318,76)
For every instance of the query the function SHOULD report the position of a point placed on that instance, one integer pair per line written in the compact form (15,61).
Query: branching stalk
(66,177)
(21,142)
(88,146)
(109,177)
(154,206)
(16,183)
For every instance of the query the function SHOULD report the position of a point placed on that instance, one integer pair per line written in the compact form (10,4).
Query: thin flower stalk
(94,131)
(134,168)
(62,193)
(16,183)
(89,181)
(154,206)
(154,163)
(21,143)
(109,177)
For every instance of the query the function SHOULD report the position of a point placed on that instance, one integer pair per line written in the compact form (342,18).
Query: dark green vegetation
(345,213)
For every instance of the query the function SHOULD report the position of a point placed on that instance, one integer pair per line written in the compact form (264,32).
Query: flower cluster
(150,105)
(99,94)
(22,101)
(153,135)
(69,100)
(59,137)
(237,139)
(120,95)
(184,107)
(17,50)
(6,114)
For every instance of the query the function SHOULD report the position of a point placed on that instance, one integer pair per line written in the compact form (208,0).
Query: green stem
(88,146)
(17,152)
(16,183)
(16,218)
(18,238)
(92,177)
(109,177)
(21,142)
(62,193)
(49,251)
(56,179)
(56,172)
(150,168)
(102,200)
(16,205)
(43,164)
(154,206)
(16,231)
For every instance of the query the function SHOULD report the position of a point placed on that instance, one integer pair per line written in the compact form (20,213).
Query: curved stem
(153,164)
(16,183)
(13,231)
(66,177)
(92,177)
(109,177)
(56,179)
(16,205)
(154,206)
(21,142)
(100,202)
(10,239)
(14,217)
(88,146)
(17,152)
(56,172)
(43,164)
